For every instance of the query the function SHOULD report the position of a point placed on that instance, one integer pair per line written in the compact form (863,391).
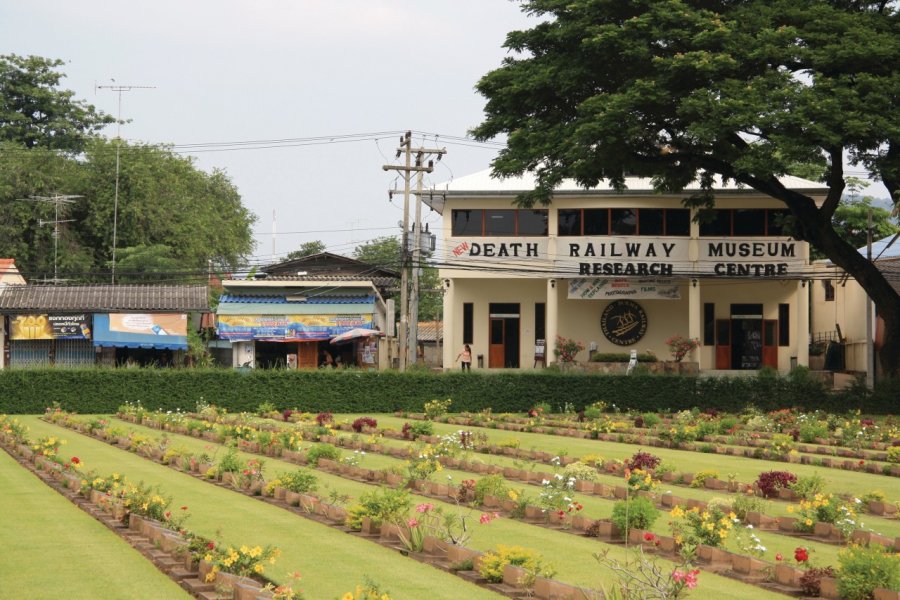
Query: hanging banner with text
(287,328)
(50,327)
(610,289)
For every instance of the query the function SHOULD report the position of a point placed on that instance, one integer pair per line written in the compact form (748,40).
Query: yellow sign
(31,327)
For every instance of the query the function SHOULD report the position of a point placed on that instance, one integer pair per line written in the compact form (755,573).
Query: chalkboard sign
(539,348)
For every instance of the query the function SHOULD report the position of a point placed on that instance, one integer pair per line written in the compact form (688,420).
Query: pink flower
(424,508)
(677,576)
(412,523)
(690,579)
(779,557)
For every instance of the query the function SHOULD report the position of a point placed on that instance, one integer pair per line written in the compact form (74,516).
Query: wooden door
(307,355)
(497,348)
(770,344)
(723,344)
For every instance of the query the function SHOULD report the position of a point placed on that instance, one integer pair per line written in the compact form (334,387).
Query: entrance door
(770,344)
(504,336)
(723,344)
(746,348)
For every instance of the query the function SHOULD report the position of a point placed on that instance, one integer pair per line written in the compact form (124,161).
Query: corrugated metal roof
(426,331)
(98,298)
(377,281)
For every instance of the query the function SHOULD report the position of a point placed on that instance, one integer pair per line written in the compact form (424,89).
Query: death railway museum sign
(612,256)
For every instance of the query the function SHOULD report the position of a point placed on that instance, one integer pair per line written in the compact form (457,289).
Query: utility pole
(56,199)
(119,89)
(870,346)
(405,172)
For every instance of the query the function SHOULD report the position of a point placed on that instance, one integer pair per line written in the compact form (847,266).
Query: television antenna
(57,200)
(115,87)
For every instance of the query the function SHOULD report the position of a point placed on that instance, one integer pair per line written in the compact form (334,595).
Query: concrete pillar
(695,316)
(552,319)
(802,341)
(452,345)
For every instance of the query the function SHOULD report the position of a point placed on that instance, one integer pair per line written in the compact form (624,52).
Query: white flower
(545,482)
(748,526)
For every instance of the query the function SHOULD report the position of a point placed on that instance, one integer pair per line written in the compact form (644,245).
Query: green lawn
(52,549)
(572,555)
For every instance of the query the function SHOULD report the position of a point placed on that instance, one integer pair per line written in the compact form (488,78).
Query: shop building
(86,325)
(290,316)
(621,271)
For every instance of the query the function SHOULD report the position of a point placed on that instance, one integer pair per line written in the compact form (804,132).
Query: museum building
(621,271)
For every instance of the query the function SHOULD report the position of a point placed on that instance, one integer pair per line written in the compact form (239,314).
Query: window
(709,323)
(533,222)
(468,322)
(744,222)
(569,222)
(540,320)
(499,222)
(466,222)
(829,290)
(624,221)
(596,221)
(784,333)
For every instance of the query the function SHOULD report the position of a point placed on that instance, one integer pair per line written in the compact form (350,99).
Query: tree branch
(836,183)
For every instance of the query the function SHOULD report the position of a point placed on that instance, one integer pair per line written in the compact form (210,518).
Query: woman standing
(466,356)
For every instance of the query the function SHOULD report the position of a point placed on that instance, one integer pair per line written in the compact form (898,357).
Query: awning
(288,327)
(354,334)
(162,331)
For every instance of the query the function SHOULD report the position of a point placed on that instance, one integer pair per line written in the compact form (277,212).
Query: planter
(787,575)
(534,513)
(514,576)
(747,565)
(369,527)
(712,554)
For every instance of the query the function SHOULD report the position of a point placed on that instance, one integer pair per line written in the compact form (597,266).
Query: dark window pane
(468,322)
(500,222)
(829,290)
(624,221)
(466,222)
(540,321)
(651,221)
(496,331)
(775,217)
(709,323)
(596,221)
(533,222)
(784,323)
(749,222)
(723,332)
(678,221)
(719,226)
(569,221)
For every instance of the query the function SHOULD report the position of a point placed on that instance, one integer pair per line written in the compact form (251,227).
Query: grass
(571,555)
(331,562)
(52,549)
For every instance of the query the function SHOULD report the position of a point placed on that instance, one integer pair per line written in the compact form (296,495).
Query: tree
(682,90)
(35,113)
(307,249)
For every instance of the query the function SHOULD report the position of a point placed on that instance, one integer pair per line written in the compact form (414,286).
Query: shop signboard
(610,289)
(50,327)
(162,331)
(288,328)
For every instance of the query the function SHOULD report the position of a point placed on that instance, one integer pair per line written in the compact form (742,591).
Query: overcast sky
(238,71)
(232,70)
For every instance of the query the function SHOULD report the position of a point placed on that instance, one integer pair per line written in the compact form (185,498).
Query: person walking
(466,356)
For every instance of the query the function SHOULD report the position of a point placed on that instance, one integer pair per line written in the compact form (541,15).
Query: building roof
(884,248)
(328,264)
(376,281)
(9,274)
(483,183)
(427,329)
(332,298)
(102,298)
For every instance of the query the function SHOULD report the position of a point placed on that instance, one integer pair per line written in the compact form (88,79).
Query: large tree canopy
(682,90)
(33,112)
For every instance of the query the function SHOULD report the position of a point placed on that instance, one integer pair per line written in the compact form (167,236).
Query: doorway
(746,341)
(504,336)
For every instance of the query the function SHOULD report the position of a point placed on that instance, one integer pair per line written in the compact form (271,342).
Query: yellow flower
(808,522)
(676,512)
(258,568)
(347,596)
(790,509)
(512,495)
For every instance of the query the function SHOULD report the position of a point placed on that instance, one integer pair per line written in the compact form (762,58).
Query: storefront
(291,323)
(126,325)
(620,272)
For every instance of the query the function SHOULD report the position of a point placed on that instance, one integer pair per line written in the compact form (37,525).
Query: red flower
(77,461)
(184,508)
(649,537)
(779,557)
(210,545)
(168,514)
(801,555)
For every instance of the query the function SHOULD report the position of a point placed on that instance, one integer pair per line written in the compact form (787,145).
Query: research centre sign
(627,257)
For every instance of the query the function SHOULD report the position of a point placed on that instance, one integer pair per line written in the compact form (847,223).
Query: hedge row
(102,390)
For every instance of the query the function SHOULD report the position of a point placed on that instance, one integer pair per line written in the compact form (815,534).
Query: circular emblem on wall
(623,322)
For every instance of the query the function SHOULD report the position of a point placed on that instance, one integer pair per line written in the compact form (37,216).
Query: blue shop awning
(161,331)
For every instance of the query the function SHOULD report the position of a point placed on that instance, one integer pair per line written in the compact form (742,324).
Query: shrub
(580,470)
(641,514)
(361,422)
(490,485)
(230,463)
(811,580)
(864,568)
(566,350)
(385,505)
(769,482)
(436,408)
(711,526)
(412,431)
(651,419)
(324,418)
(811,430)
(702,476)
(743,504)
(643,460)
(299,481)
(893,454)
(808,486)
(493,561)
(320,451)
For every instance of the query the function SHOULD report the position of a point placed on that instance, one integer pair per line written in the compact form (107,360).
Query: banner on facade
(50,327)
(162,331)
(287,328)
(610,289)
